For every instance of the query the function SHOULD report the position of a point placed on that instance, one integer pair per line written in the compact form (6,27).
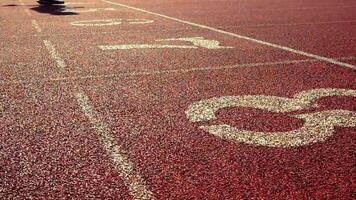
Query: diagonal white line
(54,54)
(36,26)
(123,165)
(310,55)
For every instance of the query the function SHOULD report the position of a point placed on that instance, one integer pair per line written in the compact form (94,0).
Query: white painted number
(197,42)
(88,10)
(110,22)
(317,126)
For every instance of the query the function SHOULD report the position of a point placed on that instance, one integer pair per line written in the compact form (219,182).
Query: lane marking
(317,127)
(182,29)
(321,58)
(145,46)
(197,42)
(170,71)
(200,42)
(303,8)
(292,24)
(77,3)
(88,10)
(136,184)
(36,26)
(54,54)
(110,22)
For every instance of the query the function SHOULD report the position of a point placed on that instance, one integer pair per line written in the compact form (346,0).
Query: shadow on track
(49,9)
(54,10)
(14,5)
(9,5)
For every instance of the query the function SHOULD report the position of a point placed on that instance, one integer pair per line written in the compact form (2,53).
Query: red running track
(80,120)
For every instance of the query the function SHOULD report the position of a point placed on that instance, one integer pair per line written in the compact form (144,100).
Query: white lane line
(88,10)
(293,24)
(321,58)
(145,46)
(304,8)
(123,165)
(172,71)
(134,182)
(36,26)
(54,54)
(77,3)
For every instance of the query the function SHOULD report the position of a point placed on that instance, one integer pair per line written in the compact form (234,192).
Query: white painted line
(197,42)
(144,46)
(77,3)
(200,42)
(104,22)
(170,71)
(135,183)
(317,57)
(88,10)
(294,24)
(304,8)
(110,22)
(54,54)
(36,26)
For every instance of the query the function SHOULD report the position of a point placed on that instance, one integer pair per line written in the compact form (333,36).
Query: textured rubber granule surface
(119,99)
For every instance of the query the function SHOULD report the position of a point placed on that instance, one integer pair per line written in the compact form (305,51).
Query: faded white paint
(36,26)
(88,10)
(110,22)
(200,42)
(54,54)
(266,43)
(135,183)
(145,46)
(317,126)
(197,42)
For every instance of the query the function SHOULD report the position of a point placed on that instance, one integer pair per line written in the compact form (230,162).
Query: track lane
(182,161)
(146,115)
(242,37)
(48,149)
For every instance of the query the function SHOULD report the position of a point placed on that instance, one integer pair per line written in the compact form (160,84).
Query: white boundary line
(170,71)
(54,54)
(293,24)
(305,8)
(36,26)
(135,183)
(182,29)
(317,57)
(122,164)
